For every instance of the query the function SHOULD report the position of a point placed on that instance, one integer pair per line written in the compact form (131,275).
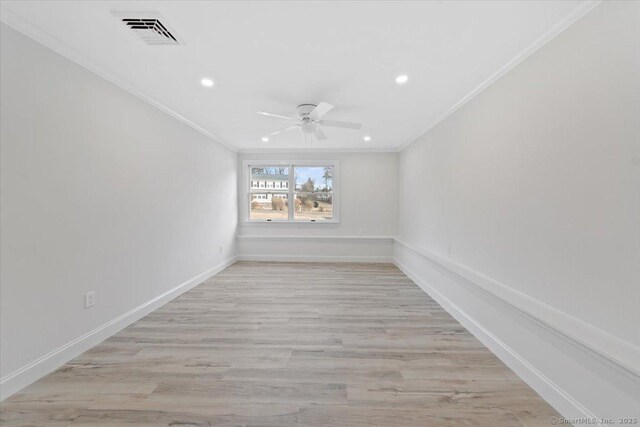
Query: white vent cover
(149,27)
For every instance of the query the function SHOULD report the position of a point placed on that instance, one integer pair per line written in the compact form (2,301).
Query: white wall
(530,194)
(368,214)
(100,191)
(532,191)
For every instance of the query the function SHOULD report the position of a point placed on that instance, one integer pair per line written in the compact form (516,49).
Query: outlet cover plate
(89,299)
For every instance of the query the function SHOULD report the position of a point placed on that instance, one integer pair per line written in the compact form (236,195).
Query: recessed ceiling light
(206,82)
(367,138)
(265,139)
(402,79)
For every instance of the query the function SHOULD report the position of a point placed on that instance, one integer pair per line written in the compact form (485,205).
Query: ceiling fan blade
(283,130)
(320,110)
(319,134)
(339,124)
(280,116)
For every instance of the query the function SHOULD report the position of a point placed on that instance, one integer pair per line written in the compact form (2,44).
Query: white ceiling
(273,56)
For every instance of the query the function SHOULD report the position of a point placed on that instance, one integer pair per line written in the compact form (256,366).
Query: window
(299,192)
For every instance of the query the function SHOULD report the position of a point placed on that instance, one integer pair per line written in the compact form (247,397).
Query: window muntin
(298,192)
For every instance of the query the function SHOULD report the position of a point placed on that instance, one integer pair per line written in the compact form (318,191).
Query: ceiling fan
(309,120)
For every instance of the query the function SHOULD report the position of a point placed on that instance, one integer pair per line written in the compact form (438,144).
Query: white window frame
(245,189)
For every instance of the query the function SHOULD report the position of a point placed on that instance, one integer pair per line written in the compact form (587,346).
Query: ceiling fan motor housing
(308,125)
(304,110)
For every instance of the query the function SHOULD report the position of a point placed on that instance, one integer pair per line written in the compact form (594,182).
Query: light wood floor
(287,344)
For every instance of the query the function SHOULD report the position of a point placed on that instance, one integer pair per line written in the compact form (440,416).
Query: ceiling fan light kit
(309,120)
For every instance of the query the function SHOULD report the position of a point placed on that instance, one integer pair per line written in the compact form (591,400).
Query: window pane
(276,177)
(313,179)
(269,188)
(265,206)
(313,206)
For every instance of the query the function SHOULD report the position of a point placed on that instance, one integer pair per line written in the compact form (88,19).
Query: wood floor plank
(287,344)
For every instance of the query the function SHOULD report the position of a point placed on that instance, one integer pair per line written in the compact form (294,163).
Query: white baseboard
(315,258)
(576,380)
(31,372)
(622,354)
(547,389)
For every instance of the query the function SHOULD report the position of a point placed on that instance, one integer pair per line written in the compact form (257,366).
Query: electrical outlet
(89,299)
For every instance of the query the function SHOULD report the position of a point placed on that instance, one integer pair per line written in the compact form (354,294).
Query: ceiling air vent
(149,28)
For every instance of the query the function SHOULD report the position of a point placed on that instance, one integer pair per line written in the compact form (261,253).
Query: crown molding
(315,150)
(318,238)
(28,29)
(46,39)
(574,16)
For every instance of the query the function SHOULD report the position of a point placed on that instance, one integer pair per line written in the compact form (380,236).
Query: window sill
(289,222)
